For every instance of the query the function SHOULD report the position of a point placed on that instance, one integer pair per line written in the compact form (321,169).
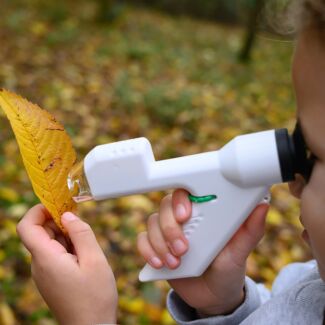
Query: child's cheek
(313,219)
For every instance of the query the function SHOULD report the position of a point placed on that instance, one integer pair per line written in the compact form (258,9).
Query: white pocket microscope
(224,185)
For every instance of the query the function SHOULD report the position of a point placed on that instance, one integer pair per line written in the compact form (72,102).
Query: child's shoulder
(293,274)
(297,297)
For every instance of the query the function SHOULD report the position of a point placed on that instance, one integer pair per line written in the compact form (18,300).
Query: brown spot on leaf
(55,129)
(52,164)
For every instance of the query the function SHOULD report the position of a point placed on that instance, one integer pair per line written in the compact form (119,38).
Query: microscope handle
(210,227)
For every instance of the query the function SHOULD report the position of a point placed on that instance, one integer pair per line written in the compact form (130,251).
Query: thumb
(249,234)
(82,237)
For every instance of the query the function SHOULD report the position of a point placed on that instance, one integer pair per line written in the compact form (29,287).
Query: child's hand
(220,289)
(78,287)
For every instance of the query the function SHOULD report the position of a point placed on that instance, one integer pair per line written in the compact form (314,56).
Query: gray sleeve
(255,296)
(290,275)
(185,315)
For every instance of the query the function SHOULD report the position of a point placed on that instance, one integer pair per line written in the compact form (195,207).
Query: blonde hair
(295,15)
(307,14)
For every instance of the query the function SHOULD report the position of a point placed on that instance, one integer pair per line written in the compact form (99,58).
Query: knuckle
(170,232)
(142,243)
(161,249)
(158,245)
(141,238)
(180,196)
(19,228)
(177,195)
(81,228)
(152,220)
(166,200)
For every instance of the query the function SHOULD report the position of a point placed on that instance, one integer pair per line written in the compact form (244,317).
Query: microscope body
(234,178)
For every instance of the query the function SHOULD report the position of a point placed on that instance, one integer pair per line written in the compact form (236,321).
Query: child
(80,289)
(223,295)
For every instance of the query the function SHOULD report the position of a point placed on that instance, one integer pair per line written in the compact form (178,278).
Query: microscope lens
(78,184)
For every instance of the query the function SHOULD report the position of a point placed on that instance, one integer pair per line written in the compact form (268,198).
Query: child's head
(308,72)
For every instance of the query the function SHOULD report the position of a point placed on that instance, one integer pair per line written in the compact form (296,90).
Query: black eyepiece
(304,160)
(293,154)
(286,153)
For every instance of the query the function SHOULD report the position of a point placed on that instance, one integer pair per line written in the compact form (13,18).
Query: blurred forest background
(188,75)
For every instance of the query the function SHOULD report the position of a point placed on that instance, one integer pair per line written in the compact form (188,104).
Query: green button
(201,199)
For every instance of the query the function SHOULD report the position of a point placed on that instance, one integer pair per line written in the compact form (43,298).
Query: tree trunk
(251,30)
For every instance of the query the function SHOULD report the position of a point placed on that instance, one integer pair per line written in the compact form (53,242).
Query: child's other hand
(220,289)
(78,287)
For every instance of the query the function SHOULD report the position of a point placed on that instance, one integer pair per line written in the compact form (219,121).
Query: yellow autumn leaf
(274,217)
(46,150)
(135,306)
(166,318)
(8,194)
(153,312)
(7,316)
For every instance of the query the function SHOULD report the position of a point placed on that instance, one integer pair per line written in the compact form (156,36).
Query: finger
(182,206)
(83,239)
(55,233)
(255,225)
(50,224)
(147,251)
(51,228)
(249,234)
(30,229)
(172,231)
(49,231)
(37,215)
(158,243)
(63,241)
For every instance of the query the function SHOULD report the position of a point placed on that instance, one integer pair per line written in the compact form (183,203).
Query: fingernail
(68,216)
(171,260)
(179,247)
(156,262)
(180,211)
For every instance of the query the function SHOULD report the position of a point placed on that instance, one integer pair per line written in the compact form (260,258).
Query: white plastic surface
(251,159)
(211,226)
(128,167)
